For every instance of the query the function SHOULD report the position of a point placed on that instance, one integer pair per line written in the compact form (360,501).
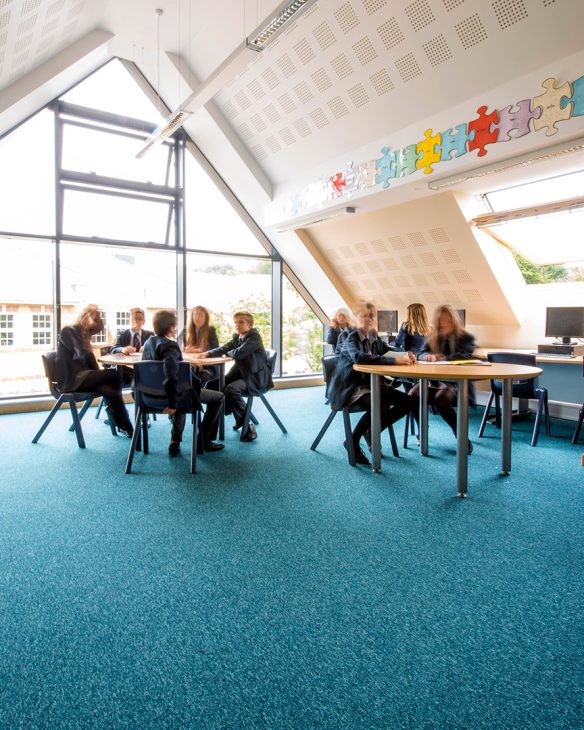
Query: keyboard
(556,355)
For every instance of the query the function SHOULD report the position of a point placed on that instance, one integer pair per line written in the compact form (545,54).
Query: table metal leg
(423,417)
(506,426)
(462,439)
(222,389)
(375,423)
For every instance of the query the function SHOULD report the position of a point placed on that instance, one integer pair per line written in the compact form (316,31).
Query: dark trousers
(213,402)
(394,405)
(234,387)
(107,383)
(442,396)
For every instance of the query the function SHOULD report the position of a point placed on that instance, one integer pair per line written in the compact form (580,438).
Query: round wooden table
(460,374)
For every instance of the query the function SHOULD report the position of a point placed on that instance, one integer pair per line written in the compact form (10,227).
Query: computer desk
(562,377)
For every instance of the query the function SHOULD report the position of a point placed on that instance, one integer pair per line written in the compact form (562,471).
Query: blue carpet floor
(281,588)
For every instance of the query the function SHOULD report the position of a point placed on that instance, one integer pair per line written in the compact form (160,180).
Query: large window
(541,223)
(83,221)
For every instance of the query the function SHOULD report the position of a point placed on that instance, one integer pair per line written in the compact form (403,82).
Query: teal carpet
(281,588)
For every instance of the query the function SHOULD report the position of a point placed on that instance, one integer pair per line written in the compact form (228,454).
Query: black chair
(580,418)
(72,398)
(328,365)
(271,356)
(525,389)
(151,398)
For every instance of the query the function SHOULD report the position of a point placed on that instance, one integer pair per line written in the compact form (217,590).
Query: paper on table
(454,362)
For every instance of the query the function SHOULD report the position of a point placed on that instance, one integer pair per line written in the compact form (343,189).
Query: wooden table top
(433,371)
(129,360)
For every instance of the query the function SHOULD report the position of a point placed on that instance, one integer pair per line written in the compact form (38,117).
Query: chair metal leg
(48,419)
(393,441)
(110,420)
(548,423)
(498,411)
(194,444)
(77,424)
(486,414)
(349,437)
(144,422)
(133,442)
(537,424)
(99,407)
(246,418)
(253,419)
(82,411)
(273,414)
(578,425)
(407,429)
(323,430)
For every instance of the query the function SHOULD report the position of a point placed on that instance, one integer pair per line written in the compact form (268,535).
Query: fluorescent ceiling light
(172,123)
(305,221)
(267,31)
(510,163)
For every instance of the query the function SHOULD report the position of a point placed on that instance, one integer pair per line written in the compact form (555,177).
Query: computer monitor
(387,320)
(462,315)
(564,323)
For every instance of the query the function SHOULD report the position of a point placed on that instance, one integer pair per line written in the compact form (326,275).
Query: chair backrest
(149,384)
(522,388)
(49,362)
(328,365)
(271,357)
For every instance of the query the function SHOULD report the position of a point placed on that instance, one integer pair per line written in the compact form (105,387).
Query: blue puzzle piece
(406,158)
(385,167)
(454,141)
(577,98)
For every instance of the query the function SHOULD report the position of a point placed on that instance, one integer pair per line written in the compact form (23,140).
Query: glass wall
(119,239)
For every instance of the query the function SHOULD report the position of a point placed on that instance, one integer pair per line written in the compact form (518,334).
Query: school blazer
(251,359)
(125,338)
(344,379)
(72,358)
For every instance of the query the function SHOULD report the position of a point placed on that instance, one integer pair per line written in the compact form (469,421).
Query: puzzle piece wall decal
(454,141)
(406,158)
(337,182)
(577,98)
(481,126)
(550,103)
(511,118)
(385,167)
(427,152)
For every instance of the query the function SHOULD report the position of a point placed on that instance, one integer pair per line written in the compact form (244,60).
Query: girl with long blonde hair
(413,332)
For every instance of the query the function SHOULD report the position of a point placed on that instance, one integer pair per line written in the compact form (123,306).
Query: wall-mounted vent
(437,50)
(509,12)
(407,67)
(381,82)
(471,31)
(419,14)
(346,17)
(390,33)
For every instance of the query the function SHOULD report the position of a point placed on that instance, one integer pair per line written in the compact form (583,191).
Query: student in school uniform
(448,340)
(364,346)
(163,346)
(250,372)
(200,336)
(413,332)
(131,340)
(77,368)
(342,323)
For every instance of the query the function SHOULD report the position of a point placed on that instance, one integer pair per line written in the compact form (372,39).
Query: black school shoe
(251,434)
(360,457)
(174,448)
(214,446)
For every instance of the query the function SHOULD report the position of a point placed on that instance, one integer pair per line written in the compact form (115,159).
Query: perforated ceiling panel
(349,60)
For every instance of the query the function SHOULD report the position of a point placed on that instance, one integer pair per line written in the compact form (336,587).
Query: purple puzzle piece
(385,167)
(517,118)
(406,158)
(454,141)
(577,98)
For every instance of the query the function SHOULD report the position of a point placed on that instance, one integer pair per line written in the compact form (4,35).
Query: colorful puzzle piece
(427,152)
(385,167)
(337,182)
(517,118)
(484,135)
(454,141)
(550,103)
(577,98)
(406,159)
